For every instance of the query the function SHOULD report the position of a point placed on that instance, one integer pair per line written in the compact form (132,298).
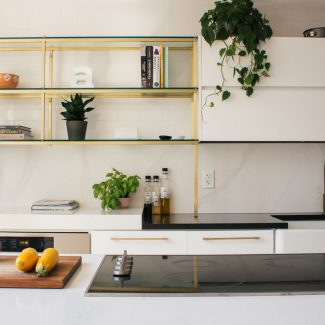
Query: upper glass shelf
(105,92)
(93,43)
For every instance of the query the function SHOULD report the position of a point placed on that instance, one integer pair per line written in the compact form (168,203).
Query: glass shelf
(128,92)
(101,141)
(93,43)
(114,92)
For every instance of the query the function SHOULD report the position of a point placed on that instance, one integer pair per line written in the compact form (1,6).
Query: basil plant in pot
(75,116)
(114,192)
(241,28)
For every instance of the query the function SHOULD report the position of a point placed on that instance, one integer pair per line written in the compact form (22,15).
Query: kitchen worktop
(70,306)
(214,221)
(82,219)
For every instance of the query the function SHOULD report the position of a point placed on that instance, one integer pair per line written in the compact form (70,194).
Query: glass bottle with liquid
(156,196)
(164,193)
(147,209)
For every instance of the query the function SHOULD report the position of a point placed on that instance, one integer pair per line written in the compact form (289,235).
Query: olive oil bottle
(156,195)
(164,194)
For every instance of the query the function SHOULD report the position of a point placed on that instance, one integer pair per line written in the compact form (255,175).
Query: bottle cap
(148,178)
(156,177)
(165,169)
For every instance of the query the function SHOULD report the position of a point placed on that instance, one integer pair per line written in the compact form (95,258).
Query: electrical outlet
(208,178)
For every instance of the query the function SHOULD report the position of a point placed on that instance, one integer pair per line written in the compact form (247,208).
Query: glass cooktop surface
(213,275)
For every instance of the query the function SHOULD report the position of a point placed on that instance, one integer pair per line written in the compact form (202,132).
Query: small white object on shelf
(82,78)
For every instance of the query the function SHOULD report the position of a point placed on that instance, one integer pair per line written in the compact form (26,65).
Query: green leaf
(267,66)
(225,95)
(249,79)
(218,87)
(208,34)
(249,91)
(242,53)
(222,51)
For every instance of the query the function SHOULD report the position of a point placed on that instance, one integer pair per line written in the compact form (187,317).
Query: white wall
(249,177)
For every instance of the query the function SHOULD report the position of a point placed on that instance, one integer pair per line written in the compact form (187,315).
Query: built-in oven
(64,242)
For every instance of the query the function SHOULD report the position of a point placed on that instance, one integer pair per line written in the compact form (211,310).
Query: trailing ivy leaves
(245,27)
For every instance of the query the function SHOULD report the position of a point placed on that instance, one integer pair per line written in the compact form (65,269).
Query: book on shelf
(18,136)
(165,67)
(149,55)
(143,66)
(15,127)
(55,205)
(154,66)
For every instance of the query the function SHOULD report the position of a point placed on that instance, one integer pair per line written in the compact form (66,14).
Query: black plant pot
(77,130)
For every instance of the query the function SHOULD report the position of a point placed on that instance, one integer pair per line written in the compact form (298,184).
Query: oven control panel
(17,244)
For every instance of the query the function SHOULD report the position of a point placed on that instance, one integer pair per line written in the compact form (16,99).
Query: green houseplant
(75,116)
(242,28)
(115,191)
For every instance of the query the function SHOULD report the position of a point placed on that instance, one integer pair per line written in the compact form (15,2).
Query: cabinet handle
(231,238)
(139,238)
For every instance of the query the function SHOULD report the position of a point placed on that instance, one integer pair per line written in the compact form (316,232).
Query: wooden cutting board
(11,277)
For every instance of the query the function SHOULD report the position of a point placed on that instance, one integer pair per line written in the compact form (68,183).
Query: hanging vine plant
(241,27)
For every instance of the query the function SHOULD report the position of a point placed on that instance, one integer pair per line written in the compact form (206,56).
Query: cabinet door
(230,242)
(139,242)
(299,241)
(295,62)
(288,106)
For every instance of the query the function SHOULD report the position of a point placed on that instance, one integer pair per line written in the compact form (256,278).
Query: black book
(149,54)
(143,66)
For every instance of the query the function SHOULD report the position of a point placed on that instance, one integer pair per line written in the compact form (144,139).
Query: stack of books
(55,205)
(15,132)
(154,66)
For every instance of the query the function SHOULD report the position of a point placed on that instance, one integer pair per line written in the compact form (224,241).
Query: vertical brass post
(50,100)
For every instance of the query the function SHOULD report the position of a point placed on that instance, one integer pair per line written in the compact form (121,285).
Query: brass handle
(139,238)
(230,238)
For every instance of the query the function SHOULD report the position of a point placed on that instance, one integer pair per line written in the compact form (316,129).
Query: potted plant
(75,116)
(115,191)
(242,28)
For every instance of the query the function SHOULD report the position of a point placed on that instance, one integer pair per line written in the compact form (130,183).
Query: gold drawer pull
(231,238)
(139,238)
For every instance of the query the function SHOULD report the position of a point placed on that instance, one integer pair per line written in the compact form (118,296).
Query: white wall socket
(208,178)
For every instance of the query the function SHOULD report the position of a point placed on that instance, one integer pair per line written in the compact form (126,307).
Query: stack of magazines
(15,132)
(55,205)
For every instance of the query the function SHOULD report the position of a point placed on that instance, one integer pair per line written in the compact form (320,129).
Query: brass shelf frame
(49,45)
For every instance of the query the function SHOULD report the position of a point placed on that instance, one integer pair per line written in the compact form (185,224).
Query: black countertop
(214,275)
(213,221)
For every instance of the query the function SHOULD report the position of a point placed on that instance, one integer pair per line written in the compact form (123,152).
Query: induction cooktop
(213,221)
(213,275)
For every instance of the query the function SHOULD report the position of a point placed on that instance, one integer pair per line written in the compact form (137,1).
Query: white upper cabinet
(288,106)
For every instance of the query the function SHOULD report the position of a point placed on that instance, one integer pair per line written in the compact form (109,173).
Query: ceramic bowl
(8,80)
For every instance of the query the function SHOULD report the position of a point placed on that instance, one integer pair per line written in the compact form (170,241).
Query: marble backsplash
(250,177)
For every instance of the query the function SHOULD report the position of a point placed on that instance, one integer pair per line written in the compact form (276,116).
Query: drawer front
(138,242)
(299,241)
(230,242)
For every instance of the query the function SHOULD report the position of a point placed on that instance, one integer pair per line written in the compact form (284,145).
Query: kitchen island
(70,306)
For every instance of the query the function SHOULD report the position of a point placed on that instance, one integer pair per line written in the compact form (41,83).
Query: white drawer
(138,242)
(297,241)
(230,242)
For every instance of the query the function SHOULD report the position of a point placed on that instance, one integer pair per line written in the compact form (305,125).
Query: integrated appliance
(213,221)
(213,275)
(65,243)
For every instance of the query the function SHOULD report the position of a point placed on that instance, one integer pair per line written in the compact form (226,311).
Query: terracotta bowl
(8,80)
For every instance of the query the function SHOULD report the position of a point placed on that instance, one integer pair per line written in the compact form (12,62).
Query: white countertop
(70,306)
(82,219)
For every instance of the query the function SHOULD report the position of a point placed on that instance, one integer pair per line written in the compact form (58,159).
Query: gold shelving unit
(46,93)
